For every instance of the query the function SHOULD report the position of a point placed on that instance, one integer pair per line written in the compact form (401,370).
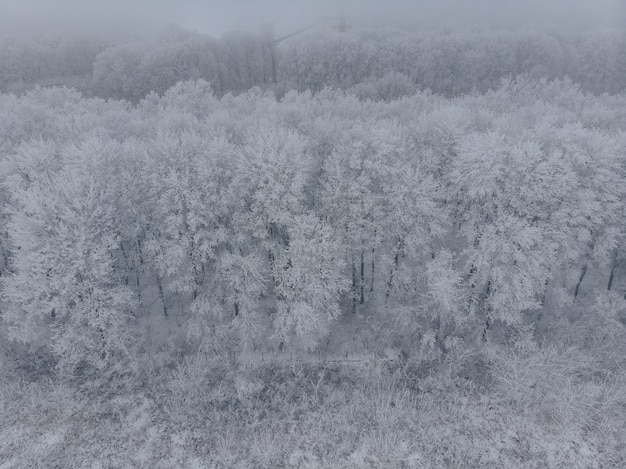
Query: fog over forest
(216,17)
(313,234)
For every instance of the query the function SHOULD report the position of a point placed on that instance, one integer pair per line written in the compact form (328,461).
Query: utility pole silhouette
(343,26)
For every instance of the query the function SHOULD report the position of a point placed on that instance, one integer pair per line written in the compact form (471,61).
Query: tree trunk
(273,56)
(138,288)
(353,287)
(612,276)
(580,280)
(485,334)
(362,285)
(138,269)
(487,328)
(394,268)
(161,294)
(103,353)
(372,279)
(126,263)
(471,300)
(543,302)
(545,292)
(5,260)
(440,335)
(139,251)
(270,257)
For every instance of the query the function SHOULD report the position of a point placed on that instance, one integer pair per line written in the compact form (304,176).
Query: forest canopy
(289,213)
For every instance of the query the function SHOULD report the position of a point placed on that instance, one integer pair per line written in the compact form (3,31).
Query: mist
(215,17)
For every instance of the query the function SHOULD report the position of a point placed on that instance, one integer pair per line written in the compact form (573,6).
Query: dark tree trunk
(138,287)
(139,270)
(162,295)
(273,56)
(139,251)
(5,261)
(372,279)
(353,287)
(545,293)
(543,302)
(471,299)
(440,335)
(612,276)
(126,263)
(103,354)
(487,328)
(362,285)
(394,267)
(580,280)
(270,256)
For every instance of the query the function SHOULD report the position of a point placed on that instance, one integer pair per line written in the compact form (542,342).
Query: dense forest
(365,249)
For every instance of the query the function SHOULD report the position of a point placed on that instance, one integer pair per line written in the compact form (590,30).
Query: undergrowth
(522,406)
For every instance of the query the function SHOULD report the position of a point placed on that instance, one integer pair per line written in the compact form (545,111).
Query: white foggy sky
(218,16)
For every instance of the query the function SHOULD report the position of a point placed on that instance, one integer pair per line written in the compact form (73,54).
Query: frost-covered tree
(242,279)
(115,72)
(189,221)
(273,172)
(510,251)
(536,197)
(309,281)
(62,291)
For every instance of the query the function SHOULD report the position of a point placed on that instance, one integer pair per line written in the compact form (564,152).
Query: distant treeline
(375,64)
